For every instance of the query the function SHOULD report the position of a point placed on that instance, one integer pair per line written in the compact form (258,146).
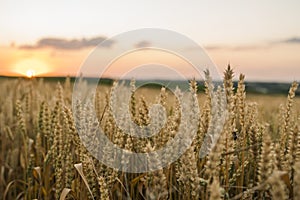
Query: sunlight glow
(31,67)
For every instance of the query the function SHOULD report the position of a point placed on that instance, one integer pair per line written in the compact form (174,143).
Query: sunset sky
(260,38)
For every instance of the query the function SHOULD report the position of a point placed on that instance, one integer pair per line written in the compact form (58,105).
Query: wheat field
(256,156)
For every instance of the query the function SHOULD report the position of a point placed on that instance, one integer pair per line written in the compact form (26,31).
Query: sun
(30,73)
(31,67)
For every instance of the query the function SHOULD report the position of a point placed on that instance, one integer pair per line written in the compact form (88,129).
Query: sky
(260,38)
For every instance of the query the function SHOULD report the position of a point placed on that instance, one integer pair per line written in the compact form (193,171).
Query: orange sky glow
(255,63)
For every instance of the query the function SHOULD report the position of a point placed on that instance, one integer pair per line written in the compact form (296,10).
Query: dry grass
(257,155)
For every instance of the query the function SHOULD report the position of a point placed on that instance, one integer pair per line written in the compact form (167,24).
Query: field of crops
(255,156)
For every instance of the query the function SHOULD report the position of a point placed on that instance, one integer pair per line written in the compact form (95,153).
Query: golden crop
(257,155)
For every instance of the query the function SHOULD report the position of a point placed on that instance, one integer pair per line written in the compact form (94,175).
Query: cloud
(73,44)
(231,47)
(236,48)
(249,47)
(294,40)
(210,47)
(142,44)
